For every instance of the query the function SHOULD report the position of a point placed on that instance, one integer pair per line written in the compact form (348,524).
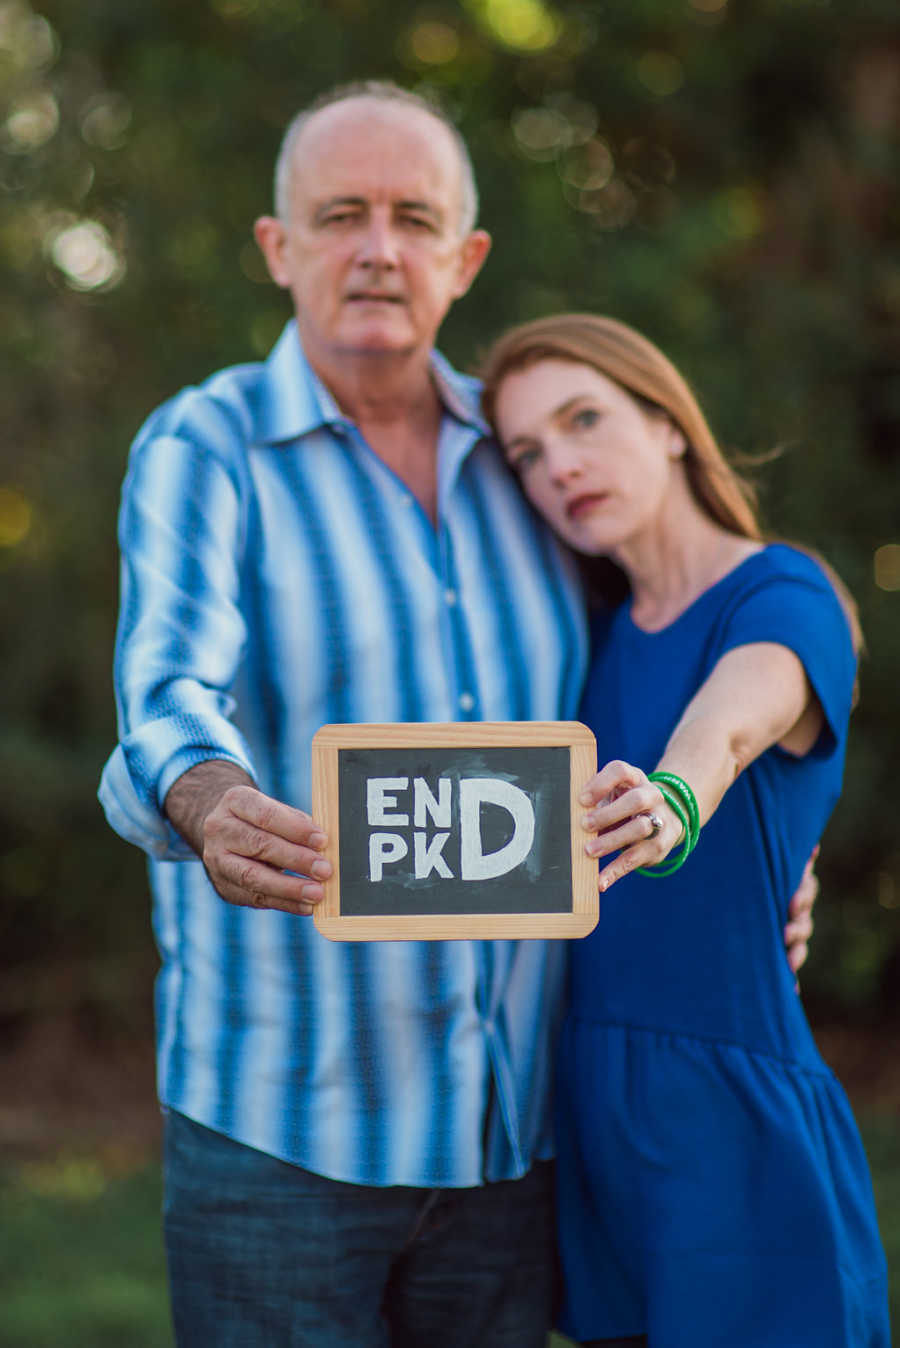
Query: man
(356,1136)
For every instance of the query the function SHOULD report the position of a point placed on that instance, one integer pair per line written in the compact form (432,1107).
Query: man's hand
(258,852)
(799,929)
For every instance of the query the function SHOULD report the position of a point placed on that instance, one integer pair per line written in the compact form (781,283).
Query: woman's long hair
(639,367)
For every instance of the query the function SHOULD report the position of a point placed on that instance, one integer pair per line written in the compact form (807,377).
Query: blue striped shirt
(276,575)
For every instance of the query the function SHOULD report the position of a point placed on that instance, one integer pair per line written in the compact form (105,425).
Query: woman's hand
(629,816)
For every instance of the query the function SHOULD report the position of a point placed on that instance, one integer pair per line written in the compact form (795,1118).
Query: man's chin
(377,340)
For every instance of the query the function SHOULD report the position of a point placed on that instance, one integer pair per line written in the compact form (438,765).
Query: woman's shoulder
(787,583)
(781,561)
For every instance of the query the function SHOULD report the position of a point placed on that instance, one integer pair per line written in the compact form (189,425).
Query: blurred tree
(722,173)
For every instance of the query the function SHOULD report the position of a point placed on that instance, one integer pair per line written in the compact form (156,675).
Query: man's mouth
(583,505)
(372,297)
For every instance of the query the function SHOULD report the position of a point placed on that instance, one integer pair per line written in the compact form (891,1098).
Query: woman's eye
(525,459)
(585,417)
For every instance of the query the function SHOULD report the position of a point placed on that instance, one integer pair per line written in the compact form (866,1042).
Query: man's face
(372,252)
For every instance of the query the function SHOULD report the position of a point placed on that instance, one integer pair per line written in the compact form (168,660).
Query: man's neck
(394,402)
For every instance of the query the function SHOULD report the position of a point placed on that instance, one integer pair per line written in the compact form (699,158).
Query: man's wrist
(197,792)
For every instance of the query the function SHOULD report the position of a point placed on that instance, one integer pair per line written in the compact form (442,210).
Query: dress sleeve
(795,605)
(181,632)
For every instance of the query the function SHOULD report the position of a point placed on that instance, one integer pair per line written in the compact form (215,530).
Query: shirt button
(466,702)
(450,597)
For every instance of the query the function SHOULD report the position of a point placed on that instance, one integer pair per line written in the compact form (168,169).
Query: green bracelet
(684,791)
(686,810)
(668,865)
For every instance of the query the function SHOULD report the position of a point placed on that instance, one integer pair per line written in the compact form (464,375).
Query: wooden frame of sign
(418,819)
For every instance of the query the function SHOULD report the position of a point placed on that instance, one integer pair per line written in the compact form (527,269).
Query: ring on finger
(655,823)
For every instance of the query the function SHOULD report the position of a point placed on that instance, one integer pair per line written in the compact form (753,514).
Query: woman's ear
(676,443)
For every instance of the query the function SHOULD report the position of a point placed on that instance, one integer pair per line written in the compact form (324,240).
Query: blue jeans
(263,1254)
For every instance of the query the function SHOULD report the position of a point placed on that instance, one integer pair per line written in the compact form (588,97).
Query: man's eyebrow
(325,206)
(361,203)
(423,207)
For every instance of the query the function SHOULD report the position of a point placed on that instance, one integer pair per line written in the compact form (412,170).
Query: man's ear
(270,235)
(475,249)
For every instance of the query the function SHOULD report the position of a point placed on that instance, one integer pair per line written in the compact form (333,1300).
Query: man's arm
(258,852)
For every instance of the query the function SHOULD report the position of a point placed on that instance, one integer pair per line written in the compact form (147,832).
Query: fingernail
(317,841)
(321,869)
(584,798)
(587,821)
(311,894)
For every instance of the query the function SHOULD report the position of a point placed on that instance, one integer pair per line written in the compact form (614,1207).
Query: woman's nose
(565,465)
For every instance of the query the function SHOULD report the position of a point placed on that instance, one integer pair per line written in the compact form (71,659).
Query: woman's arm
(756,696)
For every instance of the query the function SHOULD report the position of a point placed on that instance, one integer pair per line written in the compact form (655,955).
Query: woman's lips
(582,505)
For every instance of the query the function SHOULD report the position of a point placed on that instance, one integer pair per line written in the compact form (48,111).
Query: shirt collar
(295,401)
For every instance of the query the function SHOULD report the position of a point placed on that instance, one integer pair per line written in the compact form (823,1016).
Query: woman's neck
(673,562)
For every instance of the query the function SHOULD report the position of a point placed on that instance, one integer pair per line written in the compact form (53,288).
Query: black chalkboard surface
(455,831)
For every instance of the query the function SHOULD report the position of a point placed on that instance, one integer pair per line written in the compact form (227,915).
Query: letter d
(474,864)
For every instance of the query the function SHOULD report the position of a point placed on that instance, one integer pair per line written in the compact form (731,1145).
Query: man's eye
(418,222)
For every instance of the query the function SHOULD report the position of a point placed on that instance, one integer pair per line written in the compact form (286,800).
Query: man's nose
(378,245)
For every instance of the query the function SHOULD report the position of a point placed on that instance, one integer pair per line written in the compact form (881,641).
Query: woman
(713,1190)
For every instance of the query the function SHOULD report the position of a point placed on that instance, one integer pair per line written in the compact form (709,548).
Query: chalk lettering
(378,802)
(474,863)
(384,847)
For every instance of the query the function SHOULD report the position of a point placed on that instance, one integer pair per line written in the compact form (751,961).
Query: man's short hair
(388,92)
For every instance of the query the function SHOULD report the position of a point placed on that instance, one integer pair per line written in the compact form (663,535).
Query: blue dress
(713,1190)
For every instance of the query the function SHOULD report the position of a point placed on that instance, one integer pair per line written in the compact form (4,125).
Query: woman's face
(591,459)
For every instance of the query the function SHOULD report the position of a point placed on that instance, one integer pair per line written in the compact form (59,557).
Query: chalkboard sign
(464,830)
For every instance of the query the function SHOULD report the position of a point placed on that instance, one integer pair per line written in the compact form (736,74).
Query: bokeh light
(540,132)
(660,72)
(15,516)
(26,38)
(31,123)
(581,117)
(524,25)
(589,167)
(888,893)
(610,208)
(434,43)
(84,253)
(739,212)
(887,566)
(105,120)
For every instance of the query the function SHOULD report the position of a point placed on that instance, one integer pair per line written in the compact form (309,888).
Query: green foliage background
(722,173)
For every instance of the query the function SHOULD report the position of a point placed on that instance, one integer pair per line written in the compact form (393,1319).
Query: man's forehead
(366,147)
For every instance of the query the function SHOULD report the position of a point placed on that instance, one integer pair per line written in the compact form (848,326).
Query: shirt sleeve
(796,606)
(181,633)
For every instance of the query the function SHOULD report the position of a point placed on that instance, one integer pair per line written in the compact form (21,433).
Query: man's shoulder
(223,407)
